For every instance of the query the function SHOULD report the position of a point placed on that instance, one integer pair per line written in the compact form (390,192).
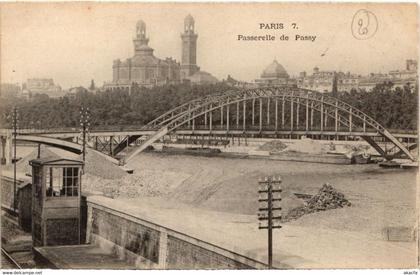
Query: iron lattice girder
(184,118)
(171,114)
(103,143)
(124,143)
(401,152)
(319,102)
(198,108)
(177,111)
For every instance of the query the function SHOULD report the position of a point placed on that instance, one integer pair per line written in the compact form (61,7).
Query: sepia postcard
(196,136)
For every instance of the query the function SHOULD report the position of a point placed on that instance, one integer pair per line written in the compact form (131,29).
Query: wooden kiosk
(56,186)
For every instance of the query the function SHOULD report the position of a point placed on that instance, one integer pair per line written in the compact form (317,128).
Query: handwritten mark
(364,24)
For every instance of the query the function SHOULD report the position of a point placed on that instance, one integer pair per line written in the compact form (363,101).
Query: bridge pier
(110,145)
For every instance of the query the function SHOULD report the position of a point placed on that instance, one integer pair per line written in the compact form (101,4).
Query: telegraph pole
(15,126)
(84,128)
(268,212)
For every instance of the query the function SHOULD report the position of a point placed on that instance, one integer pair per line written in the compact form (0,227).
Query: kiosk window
(62,182)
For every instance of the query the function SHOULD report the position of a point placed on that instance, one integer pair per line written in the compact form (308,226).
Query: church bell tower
(140,40)
(189,48)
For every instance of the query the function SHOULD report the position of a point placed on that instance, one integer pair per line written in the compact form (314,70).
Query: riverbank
(219,195)
(216,198)
(302,150)
(286,156)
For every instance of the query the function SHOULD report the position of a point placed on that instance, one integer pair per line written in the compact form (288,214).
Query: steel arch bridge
(270,111)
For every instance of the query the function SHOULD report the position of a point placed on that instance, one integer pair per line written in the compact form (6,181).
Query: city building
(146,70)
(367,83)
(10,90)
(189,48)
(347,81)
(399,78)
(407,77)
(41,86)
(323,81)
(143,68)
(71,92)
(189,70)
(274,74)
(410,72)
(237,83)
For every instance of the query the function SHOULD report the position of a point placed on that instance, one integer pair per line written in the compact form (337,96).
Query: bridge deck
(215,130)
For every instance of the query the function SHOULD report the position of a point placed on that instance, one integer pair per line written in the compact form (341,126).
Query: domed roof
(189,19)
(144,60)
(274,70)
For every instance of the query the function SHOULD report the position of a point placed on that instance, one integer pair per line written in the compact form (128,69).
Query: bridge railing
(235,127)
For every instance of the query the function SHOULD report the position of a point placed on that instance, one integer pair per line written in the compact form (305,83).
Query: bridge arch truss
(274,110)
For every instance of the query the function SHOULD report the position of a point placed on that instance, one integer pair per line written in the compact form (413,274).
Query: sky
(75,42)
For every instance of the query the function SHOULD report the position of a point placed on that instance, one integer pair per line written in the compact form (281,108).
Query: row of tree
(393,107)
(108,108)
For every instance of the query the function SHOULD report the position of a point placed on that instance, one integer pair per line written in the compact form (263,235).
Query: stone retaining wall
(153,246)
(23,203)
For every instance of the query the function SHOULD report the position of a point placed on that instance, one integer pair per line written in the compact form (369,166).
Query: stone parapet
(155,245)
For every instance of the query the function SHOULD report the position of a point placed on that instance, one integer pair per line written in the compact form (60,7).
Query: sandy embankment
(380,198)
(216,199)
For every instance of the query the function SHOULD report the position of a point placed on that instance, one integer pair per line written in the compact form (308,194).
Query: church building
(146,70)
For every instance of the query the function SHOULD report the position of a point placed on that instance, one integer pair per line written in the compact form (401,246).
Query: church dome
(274,70)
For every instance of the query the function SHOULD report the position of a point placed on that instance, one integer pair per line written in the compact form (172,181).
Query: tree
(394,108)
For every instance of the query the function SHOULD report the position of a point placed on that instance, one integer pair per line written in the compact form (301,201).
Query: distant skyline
(76,42)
